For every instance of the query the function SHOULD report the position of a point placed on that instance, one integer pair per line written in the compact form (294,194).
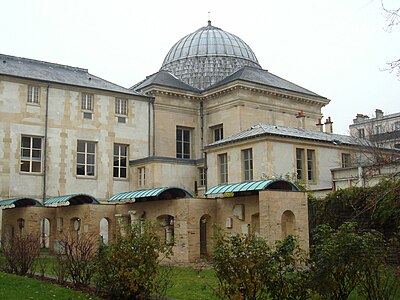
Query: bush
(344,258)
(78,259)
(248,268)
(129,267)
(21,252)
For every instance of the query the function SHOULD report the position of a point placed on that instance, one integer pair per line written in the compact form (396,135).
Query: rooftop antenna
(209,18)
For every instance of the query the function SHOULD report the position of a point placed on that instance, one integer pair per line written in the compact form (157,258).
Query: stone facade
(265,214)
(66,125)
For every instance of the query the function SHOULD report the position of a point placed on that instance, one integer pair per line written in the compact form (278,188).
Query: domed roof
(207,56)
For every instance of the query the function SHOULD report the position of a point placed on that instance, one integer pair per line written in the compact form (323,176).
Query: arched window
(104,230)
(167,228)
(255,224)
(45,233)
(288,224)
(205,234)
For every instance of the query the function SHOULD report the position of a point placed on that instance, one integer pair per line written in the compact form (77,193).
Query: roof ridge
(5,56)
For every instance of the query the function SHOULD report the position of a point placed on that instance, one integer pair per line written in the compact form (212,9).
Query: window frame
(87,102)
(86,155)
(121,107)
(33,95)
(202,176)
(218,133)
(141,176)
(247,164)
(119,157)
(30,159)
(305,164)
(223,168)
(180,143)
(346,160)
(361,133)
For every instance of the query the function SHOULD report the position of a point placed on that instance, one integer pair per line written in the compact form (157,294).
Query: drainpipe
(46,120)
(154,127)
(202,126)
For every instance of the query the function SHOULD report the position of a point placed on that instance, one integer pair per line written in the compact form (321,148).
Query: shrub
(78,258)
(248,268)
(21,252)
(341,257)
(129,267)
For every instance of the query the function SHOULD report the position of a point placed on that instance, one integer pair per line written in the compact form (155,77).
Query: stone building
(382,130)
(65,132)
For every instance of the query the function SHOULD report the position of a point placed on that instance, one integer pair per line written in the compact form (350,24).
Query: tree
(392,16)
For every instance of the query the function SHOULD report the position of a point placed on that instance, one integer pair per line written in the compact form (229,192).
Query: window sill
(86,177)
(120,179)
(31,173)
(33,104)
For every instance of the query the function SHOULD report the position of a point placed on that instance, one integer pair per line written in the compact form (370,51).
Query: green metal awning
(19,202)
(273,184)
(173,192)
(71,200)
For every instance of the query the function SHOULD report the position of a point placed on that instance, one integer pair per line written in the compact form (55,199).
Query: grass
(13,287)
(190,284)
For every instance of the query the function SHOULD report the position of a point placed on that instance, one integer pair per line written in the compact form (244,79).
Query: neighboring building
(382,130)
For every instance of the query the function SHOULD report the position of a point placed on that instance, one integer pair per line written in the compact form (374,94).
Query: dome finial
(209,18)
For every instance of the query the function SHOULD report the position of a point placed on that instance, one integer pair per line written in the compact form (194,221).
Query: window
(141,176)
(218,133)
(86,158)
(361,133)
(346,160)
(202,176)
(87,101)
(305,164)
(223,168)
(121,106)
(31,154)
(120,161)
(396,126)
(33,94)
(378,129)
(310,165)
(247,158)
(182,143)
(300,163)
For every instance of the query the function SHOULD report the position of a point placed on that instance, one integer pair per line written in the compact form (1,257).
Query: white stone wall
(275,157)
(66,126)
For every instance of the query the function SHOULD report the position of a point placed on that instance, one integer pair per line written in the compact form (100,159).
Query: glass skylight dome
(207,56)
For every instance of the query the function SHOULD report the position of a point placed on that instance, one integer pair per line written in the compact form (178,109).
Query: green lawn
(13,287)
(188,284)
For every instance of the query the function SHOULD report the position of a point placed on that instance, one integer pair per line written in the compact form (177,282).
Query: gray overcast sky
(334,48)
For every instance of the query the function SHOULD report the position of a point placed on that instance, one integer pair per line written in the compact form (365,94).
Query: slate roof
(260,130)
(263,77)
(55,73)
(166,79)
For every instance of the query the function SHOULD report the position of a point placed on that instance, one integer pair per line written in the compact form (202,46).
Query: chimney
(359,118)
(320,125)
(378,113)
(328,125)
(301,120)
